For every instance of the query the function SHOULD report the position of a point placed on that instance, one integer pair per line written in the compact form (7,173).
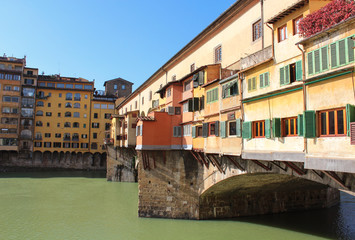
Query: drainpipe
(240,77)
(304,89)
(262,23)
(272,39)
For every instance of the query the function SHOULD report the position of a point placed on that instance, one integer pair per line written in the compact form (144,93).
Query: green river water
(83,205)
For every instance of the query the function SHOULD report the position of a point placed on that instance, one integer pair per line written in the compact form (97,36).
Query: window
(7,88)
(48,114)
(68,105)
(177,131)
(212,95)
(75,137)
(66,137)
(38,113)
(218,54)
(96,115)
(173,78)
(76,114)
(168,92)
(123,87)
(76,105)
(40,104)
(77,97)
(84,136)
(48,124)
(76,125)
(192,67)
(67,114)
(177,110)
(103,106)
(94,135)
(86,96)
(38,144)
(95,125)
(230,89)
(150,95)
(264,80)
(66,145)
(199,131)
(185,107)
(107,115)
(84,125)
(93,145)
(282,32)
(75,145)
(84,145)
(296,22)
(187,130)
(39,124)
(57,144)
(111,106)
(115,87)
(232,128)
(257,30)
(187,85)
(69,86)
(67,124)
(291,73)
(342,52)
(96,106)
(78,86)
(212,128)
(59,114)
(289,127)
(58,135)
(49,104)
(47,135)
(107,126)
(251,84)
(58,125)
(29,81)
(142,102)
(88,87)
(47,144)
(69,96)
(135,104)
(332,122)
(60,85)
(317,60)
(259,129)
(50,85)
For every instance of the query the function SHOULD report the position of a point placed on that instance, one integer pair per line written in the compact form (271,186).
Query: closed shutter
(171,110)
(310,63)
(316,61)
(342,52)
(267,128)
(309,124)
(352,133)
(137,130)
(300,124)
(236,88)
(202,102)
(261,80)
(254,83)
(351,45)
(194,131)
(205,130)
(201,78)
(276,127)
(266,79)
(224,91)
(178,131)
(333,55)
(238,129)
(196,104)
(247,130)
(299,76)
(350,116)
(282,76)
(223,129)
(287,74)
(249,84)
(325,63)
(174,132)
(216,128)
(141,130)
(191,109)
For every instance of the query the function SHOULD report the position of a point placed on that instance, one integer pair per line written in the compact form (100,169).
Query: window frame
(212,132)
(319,117)
(287,133)
(218,53)
(282,33)
(257,30)
(260,123)
(295,24)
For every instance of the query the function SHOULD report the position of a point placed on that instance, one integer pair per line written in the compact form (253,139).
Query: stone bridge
(195,185)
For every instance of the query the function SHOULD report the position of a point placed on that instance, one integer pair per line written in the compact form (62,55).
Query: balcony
(41,96)
(76,139)
(108,141)
(77,98)
(66,139)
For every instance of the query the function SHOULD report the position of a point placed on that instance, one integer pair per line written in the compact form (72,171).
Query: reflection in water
(82,205)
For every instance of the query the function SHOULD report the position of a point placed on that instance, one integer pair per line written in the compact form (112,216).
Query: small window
(232,128)
(76,125)
(68,105)
(96,115)
(212,129)
(187,130)
(94,135)
(69,96)
(212,95)
(187,85)
(332,122)
(218,54)
(115,87)
(289,127)
(76,114)
(296,22)
(259,129)
(123,87)
(192,67)
(48,114)
(173,78)
(257,30)
(282,33)
(142,102)
(168,92)
(199,131)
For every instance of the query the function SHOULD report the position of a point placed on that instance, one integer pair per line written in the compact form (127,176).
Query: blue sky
(103,39)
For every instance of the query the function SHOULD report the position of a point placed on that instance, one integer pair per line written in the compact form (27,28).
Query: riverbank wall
(121,164)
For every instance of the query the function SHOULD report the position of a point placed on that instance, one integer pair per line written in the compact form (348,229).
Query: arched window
(76,114)
(68,105)
(67,124)
(40,104)
(75,125)
(39,113)
(77,97)
(67,114)
(69,96)
(76,105)
(41,94)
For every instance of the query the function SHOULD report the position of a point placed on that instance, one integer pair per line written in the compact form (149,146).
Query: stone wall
(121,164)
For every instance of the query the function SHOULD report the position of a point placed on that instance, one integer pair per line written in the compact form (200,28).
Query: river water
(83,205)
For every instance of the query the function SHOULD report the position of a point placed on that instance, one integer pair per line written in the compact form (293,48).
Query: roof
(119,79)
(211,82)
(62,79)
(287,11)
(145,119)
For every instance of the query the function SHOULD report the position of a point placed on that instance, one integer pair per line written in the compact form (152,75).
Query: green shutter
(350,116)
(287,74)
(196,103)
(282,76)
(309,123)
(201,78)
(266,79)
(254,83)
(300,124)
(267,128)
(316,61)
(247,130)
(310,63)
(236,88)
(351,45)
(224,94)
(249,84)
(333,55)
(276,127)
(299,71)
(238,127)
(223,129)
(194,131)
(342,52)
(261,77)
(216,128)
(324,53)
(204,130)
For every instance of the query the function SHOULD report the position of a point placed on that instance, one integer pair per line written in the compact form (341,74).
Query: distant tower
(118,87)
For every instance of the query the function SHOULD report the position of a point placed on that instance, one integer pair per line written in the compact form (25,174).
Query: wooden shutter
(254,83)
(266,79)
(352,133)
(193,132)
(267,128)
(224,91)
(223,129)
(137,130)
(247,130)
(171,110)
(202,102)
(179,131)
(238,127)
(282,76)
(299,76)
(236,88)
(333,55)
(249,84)
(201,78)
(310,63)
(287,74)
(216,132)
(261,76)
(350,116)
(351,45)
(174,132)
(205,130)
(324,56)
(276,127)
(309,124)
(191,107)
(141,130)
(342,52)
(196,104)
(316,61)
(300,124)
